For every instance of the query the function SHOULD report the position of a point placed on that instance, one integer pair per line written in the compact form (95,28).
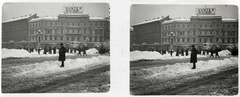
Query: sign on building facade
(205,11)
(73,9)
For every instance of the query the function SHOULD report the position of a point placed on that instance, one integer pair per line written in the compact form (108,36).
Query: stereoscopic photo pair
(174,49)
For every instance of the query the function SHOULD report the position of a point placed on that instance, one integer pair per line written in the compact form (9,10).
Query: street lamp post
(171,40)
(39,34)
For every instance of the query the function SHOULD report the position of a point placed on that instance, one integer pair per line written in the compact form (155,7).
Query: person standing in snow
(211,52)
(171,52)
(193,58)
(62,55)
(186,52)
(84,48)
(79,50)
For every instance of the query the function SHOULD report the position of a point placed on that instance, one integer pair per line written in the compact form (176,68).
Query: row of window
(172,26)
(46,24)
(203,40)
(76,31)
(68,38)
(186,33)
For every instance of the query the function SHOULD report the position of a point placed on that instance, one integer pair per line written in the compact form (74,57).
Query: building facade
(68,29)
(15,31)
(73,28)
(198,30)
(148,32)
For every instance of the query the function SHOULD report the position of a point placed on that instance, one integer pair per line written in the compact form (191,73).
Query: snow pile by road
(180,69)
(224,53)
(11,53)
(92,51)
(148,55)
(21,53)
(49,67)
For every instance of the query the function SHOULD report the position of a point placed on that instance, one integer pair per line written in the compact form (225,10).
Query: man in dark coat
(182,52)
(186,52)
(54,50)
(79,50)
(216,51)
(84,48)
(193,58)
(211,52)
(50,50)
(62,55)
(171,52)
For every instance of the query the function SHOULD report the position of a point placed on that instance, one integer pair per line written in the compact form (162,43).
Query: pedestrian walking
(211,51)
(79,50)
(45,50)
(193,58)
(204,52)
(186,52)
(216,51)
(177,52)
(54,50)
(84,50)
(171,52)
(62,56)
(182,52)
(50,50)
(38,50)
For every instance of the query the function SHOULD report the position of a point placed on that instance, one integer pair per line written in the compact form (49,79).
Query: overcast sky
(140,13)
(11,10)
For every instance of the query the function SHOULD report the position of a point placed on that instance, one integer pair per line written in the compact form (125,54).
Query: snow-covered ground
(21,53)
(50,67)
(148,55)
(179,69)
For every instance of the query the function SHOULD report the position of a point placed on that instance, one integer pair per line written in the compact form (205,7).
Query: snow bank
(92,51)
(147,55)
(180,69)
(224,53)
(11,53)
(49,67)
(21,53)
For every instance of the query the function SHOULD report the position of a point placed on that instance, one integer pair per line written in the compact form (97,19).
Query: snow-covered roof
(20,18)
(229,20)
(98,19)
(16,19)
(131,29)
(177,20)
(44,18)
(148,21)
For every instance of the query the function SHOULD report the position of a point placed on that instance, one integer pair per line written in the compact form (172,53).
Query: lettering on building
(206,11)
(73,9)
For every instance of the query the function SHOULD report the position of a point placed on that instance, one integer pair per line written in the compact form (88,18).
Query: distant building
(148,32)
(196,30)
(200,29)
(73,28)
(15,31)
(68,29)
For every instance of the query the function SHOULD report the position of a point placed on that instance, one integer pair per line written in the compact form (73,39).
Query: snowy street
(165,75)
(43,74)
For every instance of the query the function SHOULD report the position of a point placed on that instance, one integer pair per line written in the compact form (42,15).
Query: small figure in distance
(62,55)
(193,58)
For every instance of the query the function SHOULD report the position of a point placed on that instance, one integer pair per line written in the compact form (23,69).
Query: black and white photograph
(183,49)
(55,47)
